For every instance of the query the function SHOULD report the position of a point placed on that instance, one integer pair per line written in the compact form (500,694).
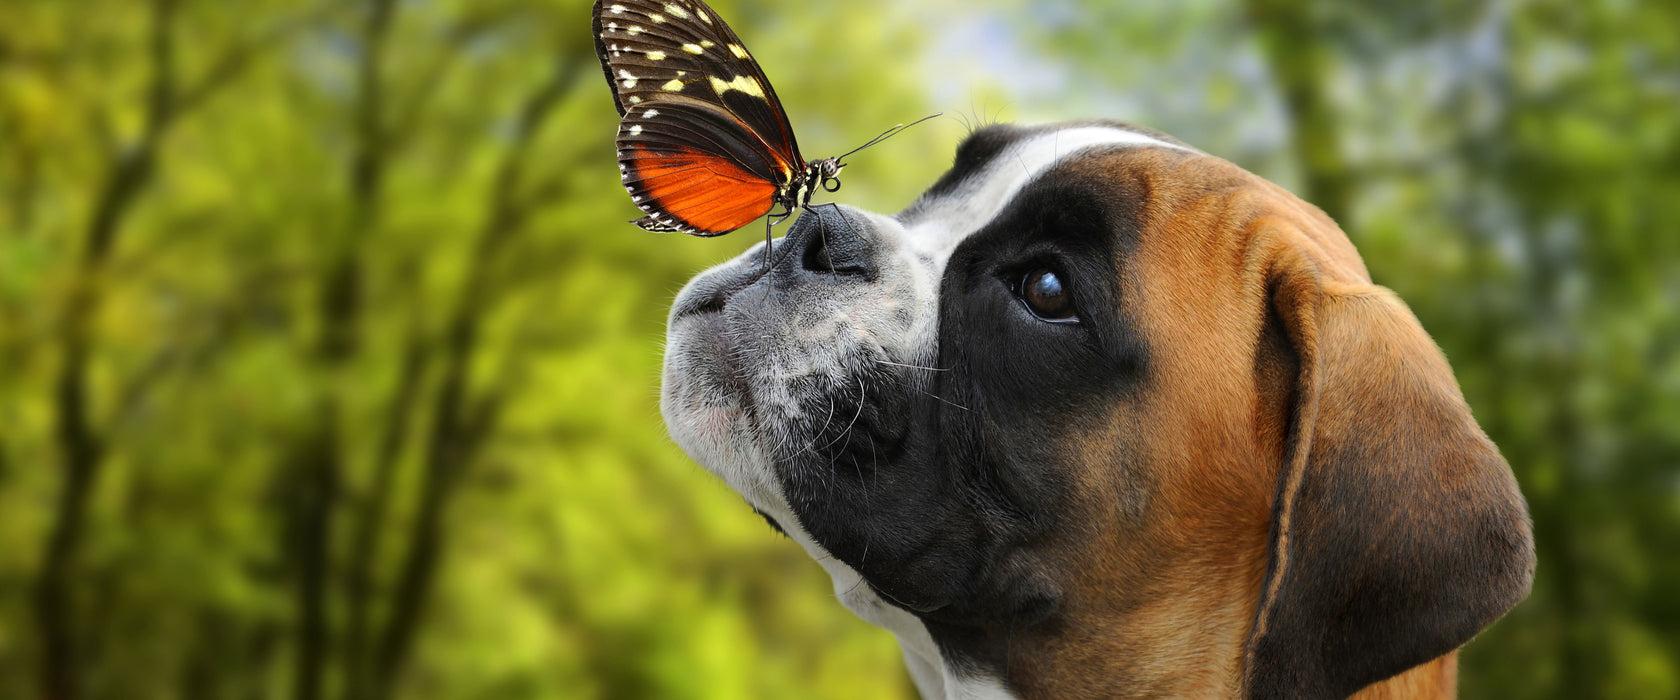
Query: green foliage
(328,365)
(324,337)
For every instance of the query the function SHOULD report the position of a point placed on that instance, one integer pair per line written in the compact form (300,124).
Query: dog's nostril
(817,257)
(712,304)
(716,295)
(832,249)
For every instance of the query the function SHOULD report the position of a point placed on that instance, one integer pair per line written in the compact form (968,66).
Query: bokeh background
(328,365)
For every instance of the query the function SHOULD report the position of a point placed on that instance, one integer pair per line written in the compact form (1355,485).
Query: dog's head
(1100,410)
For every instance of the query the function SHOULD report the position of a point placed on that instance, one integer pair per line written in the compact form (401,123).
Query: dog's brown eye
(1047,296)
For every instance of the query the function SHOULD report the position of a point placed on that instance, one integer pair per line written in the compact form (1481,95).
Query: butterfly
(704,146)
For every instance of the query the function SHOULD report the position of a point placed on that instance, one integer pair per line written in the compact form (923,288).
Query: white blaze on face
(935,227)
(944,221)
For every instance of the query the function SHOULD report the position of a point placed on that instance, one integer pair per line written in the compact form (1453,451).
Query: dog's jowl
(1100,415)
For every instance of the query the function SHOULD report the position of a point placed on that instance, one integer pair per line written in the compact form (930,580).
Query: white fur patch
(941,223)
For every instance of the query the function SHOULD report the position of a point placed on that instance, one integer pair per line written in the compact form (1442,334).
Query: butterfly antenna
(889,133)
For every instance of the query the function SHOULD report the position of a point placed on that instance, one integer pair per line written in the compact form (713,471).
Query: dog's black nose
(828,240)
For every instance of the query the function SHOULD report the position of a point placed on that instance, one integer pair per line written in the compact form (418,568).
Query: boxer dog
(1101,415)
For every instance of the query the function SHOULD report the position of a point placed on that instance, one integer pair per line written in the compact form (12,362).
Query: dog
(1101,415)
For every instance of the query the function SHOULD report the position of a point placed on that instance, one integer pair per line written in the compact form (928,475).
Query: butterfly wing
(694,169)
(703,144)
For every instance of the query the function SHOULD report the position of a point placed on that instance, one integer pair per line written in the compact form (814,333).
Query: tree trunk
(320,460)
(365,548)
(457,428)
(1301,63)
(80,447)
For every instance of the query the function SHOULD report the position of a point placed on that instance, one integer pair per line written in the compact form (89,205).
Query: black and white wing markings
(655,50)
(704,146)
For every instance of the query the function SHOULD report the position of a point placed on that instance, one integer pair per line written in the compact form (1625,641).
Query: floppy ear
(1397,531)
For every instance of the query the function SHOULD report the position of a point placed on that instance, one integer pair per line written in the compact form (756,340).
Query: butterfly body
(704,146)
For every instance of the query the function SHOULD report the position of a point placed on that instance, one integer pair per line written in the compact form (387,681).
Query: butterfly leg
(842,214)
(822,230)
(844,219)
(769,223)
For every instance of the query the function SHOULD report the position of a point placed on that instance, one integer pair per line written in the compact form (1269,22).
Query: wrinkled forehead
(994,164)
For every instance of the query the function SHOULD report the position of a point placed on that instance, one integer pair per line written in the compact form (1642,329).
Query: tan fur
(1436,679)
(1162,591)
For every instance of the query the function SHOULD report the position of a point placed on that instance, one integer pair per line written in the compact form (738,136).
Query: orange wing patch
(697,189)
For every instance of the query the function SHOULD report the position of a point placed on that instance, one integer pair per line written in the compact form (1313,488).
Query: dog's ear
(1397,529)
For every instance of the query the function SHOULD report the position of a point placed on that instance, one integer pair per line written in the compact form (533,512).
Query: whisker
(900,364)
(941,399)
(848,431)
(874,471)
(920,390)
(853,588)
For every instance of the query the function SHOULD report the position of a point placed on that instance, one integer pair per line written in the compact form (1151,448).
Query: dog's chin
(706,399)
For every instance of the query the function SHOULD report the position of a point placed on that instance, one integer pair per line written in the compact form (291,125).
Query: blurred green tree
(332,364)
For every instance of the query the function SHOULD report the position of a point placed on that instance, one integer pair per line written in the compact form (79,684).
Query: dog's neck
(1137,645)
(1436,680)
